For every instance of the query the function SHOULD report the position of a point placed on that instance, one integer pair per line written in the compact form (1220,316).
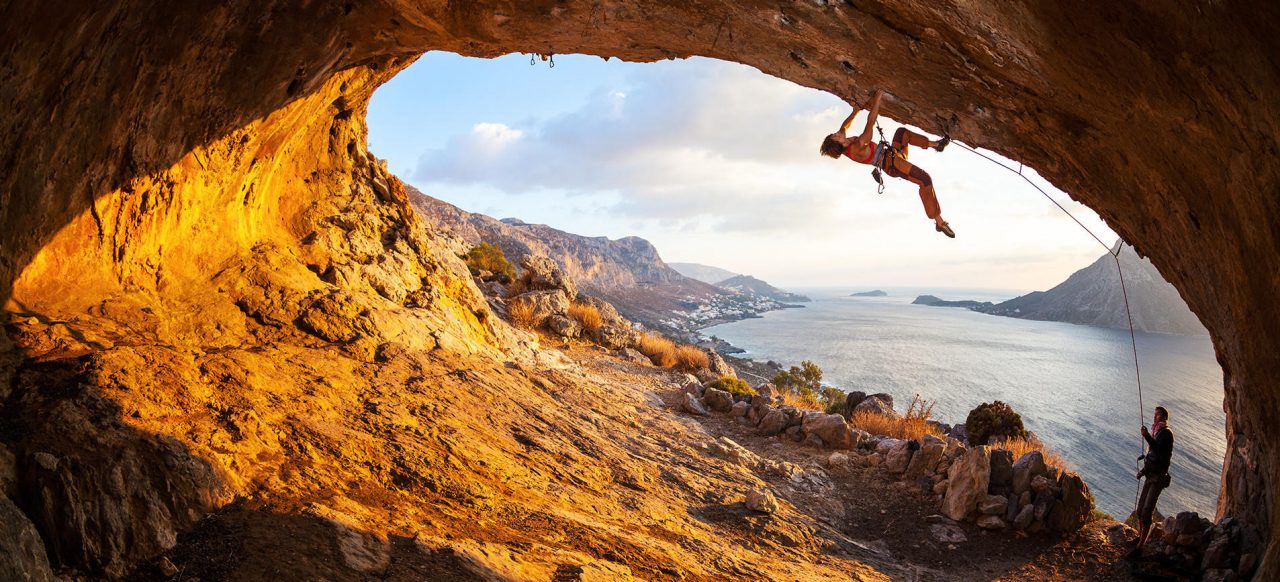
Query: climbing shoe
(945,228)
(942,143)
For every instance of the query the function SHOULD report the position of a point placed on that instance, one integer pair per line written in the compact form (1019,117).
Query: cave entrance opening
(716,163)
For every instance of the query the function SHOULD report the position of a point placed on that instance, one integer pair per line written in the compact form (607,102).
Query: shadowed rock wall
(148,149)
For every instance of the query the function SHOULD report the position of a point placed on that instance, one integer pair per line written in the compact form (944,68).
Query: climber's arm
(874,112)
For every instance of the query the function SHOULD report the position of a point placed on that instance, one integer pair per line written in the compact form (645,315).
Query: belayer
(890,157)
(1155,469)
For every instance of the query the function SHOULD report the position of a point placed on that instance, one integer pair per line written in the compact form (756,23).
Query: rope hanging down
(1115,255)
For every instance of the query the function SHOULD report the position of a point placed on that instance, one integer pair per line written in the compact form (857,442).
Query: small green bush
(993,419)
(488,257)
(805,377)
(834,399)
(735,386)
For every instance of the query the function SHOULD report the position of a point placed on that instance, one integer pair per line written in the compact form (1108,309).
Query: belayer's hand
(1144,431)
(1138,476)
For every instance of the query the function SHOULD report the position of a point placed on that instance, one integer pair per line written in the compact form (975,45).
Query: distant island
(876,293)
(1092,296)
(933,301)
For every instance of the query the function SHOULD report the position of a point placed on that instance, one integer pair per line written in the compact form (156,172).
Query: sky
(714,163)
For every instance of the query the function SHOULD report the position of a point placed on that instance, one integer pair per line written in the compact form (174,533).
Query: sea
(1074,385)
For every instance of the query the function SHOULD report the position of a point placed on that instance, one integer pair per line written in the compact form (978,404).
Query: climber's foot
(942,143)
(945,228)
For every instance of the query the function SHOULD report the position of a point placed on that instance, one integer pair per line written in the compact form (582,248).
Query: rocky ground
(668,500)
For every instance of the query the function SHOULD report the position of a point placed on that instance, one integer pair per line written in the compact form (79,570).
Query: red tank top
(871,153)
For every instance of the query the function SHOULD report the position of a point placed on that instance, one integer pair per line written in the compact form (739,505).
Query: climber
(1156,469)
(892,158)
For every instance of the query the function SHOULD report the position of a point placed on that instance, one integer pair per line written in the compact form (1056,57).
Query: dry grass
(660,350)
(912,425)
(801,401)
(586,315)
(689,359)
(522,314)
(1021,447)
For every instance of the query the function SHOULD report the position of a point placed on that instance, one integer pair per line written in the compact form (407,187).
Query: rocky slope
(627,272)
(213,294)
(1093,296)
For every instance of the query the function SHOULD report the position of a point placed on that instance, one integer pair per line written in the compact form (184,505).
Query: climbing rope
(1115,255)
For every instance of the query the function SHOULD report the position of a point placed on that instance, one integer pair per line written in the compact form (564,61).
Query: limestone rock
(543,274)
(774,422)
(940,488)
(947,533)
(1001,472)
(878,403)
(925,460)
(692,405)
(762,501)
(1076,505)
(1024,517)
(562,326)
(837,459)
(632,355)
(616,337)
(899,457)
(1040,484)
(717,400)
(739,409)
(993,505)
(718,366)
(991,522)
(543,304)
(967,483)
(1028,466)
(831,428)
(22,554)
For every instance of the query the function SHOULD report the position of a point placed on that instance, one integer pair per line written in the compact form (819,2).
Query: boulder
(831,428)
(739,409)
(608,314)
(1028,466)
(1011,509)
(925,460)
(8,472)
(794,433)
(940,487)
(993,505)
(1044,504)
(1001,472)
(544,304)
(562,326)
(705,376)
(631,355)
(773,422)
(1024,517)
(717,400)
(947,533)
(1040,484)
(717,365)
(1075,507)
(967,483)
(960,433)
(991,522)
(765,391)
(759,408)
(837,460)
(692,405)
(884,445)
(616,337)
(22,555)
(812,440)
(899,457)
(762,501)
(540,273)
(852,400)
(874,459)
(875,403)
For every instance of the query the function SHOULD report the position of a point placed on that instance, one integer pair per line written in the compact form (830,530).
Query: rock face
(181,179)
(967,482)
(22,554)
(1093,296)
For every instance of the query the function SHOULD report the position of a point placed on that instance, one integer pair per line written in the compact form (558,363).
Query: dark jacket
(1157,462)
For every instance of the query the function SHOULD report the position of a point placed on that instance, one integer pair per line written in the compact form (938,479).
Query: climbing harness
(1115,255)
(884,156)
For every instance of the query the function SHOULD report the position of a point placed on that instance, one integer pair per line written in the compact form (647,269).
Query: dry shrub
(689,359)
(522,314)
(912,425)
(660,350)
(803,401)
(587,315)
(1022,446)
